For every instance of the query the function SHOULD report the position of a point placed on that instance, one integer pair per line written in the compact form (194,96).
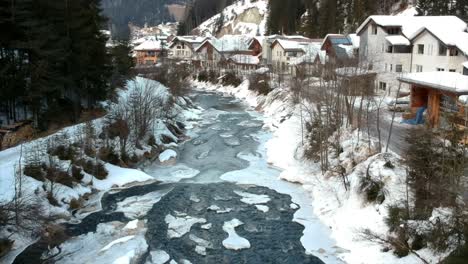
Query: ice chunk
(207,226)
(132,224)
(294,206)
(126,259)
(262,208)
(137,206)
(159,257)
(194,198)
(250,198)
(234,241)
(167,155)
(232,141)
(118,241)
(179,226)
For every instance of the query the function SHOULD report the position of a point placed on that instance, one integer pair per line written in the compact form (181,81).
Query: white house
(394,45)
(183,47)
(287,52)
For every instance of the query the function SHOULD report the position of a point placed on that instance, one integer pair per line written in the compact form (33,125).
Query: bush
(396,216)
(90,151)
(77,173)
(51,199)
(373,189)
(74,204)
(5,246)
(34,171)
(59,176)
(260,83)
(152,140)
(63,152)
(202,76)
(54,235)
(109,155)
(230,78)
(97,170)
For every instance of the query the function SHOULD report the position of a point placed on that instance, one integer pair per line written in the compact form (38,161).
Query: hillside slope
(246,17)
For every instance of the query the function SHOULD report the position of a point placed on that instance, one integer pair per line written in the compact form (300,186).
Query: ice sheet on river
(180,225)
(137,206)
(171,173)
(234,241)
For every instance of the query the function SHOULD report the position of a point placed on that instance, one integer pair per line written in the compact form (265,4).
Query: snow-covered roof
(398,40)
(245,59)
(290,45)
(465,64)
(149,45)
(411,25)
(228,43)
(355,39)
(312,50)
(447,81)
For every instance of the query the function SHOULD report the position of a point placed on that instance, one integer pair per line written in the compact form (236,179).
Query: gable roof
(449,38)
(149,45)
(193,41)
(412,25)
(228,43)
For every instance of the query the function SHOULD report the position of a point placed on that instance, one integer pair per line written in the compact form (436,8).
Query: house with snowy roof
(148,52)
(183,47)
(287,52)
(267,42)
(394,45)
(213,51)
(339,49)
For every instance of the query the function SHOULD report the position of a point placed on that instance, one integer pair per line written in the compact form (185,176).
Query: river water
(238,209)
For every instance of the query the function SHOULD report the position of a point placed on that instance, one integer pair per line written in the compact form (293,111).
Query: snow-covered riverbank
(345,212)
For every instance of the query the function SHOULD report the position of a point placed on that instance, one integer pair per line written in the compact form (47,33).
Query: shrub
(63,152)
(373,189)
(90,151)
(260,83)
(109,155)
(396,216)
(5,246)
(34,171)
(213,76)
(59,176)
(54,235)
(97,170)
(75,204)
(202,76)
(152,140)
(77,173)
(51,199)
(230,78)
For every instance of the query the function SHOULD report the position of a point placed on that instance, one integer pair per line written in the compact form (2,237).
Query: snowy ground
(118,177)
(344,212)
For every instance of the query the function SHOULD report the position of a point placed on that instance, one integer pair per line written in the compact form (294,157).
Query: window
(391,67)
(453,52)
(398,68)
(383,86)
(440,69)
(419,68)
(393,31)
(374,29)
(389,49)
(420,48)
(179,47)
(452,70)
(442,50)
(386,66)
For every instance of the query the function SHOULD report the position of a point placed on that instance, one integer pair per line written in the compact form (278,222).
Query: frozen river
(219,203)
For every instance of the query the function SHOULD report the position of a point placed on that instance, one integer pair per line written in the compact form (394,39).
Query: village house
(267,45)
(394,45)
(340,49)
(183,47)
(148,52)
(214,51)
(287,52)
(442,95)
(241,62)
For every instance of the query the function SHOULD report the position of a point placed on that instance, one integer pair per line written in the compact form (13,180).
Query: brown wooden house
(440,92)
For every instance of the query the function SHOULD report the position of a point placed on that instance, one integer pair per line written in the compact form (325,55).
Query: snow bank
(167,155)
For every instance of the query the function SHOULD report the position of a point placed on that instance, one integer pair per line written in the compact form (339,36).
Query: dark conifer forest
(54,60)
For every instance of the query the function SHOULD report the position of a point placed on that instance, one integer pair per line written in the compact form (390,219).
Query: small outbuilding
(440,93)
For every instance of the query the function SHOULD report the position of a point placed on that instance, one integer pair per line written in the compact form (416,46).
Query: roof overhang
(445,81)
(398,40)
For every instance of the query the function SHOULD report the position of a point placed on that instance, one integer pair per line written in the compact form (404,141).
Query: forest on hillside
(54,60)
(138,12)
(316,18)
